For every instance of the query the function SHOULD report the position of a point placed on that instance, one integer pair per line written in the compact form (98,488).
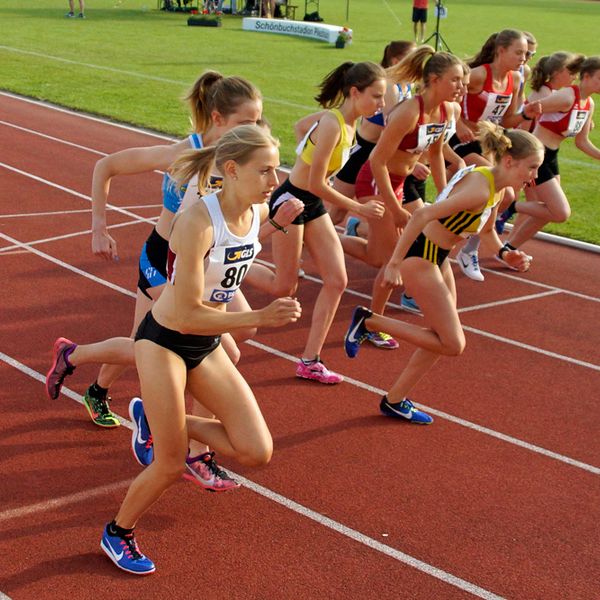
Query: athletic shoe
(70,15)
(317,371)
(99,410)
(352,226)
(357,332)
(404,410)
(61,367)
(204,471)
(81,16)
(469,265)
(141,438)
(409,304)
(503,218)
(382,340)
(124,552)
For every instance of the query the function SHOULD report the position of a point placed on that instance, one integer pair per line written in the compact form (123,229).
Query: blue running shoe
(409,304)
(357,332)
(141,438)
(124,552)
(352,226)
(404,410)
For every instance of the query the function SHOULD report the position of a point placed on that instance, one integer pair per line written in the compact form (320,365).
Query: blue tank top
(172,196)
(378,118)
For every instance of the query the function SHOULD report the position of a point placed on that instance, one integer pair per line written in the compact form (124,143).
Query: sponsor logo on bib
(239,253)
(222,295)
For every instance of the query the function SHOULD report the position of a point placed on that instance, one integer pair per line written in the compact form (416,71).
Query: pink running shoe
(61,367)
(204,471)
(318,372)
(383,340)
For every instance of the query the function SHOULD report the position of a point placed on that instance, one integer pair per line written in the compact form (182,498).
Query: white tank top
(229,257)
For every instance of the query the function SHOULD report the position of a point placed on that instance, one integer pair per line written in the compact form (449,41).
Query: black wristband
(506,248)
(522,113)
(278,226)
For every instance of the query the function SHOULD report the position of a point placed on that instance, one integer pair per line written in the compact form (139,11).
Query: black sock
(311,361)
(385,399)
(97,391)
(114,529)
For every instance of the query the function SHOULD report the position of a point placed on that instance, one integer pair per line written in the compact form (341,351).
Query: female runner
(466,206)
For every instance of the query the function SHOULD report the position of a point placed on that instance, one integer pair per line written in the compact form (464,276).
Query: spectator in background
(419,17)
(71,13)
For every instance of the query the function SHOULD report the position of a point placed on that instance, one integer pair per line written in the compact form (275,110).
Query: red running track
(499,498)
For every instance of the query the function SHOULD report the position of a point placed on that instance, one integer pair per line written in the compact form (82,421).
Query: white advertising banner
(308,29)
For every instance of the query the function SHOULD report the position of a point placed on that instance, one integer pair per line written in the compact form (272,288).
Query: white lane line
(407,559)
(66,236)
(368,387)
(443,415)
(136,74)
(387,5)
(267,493)
(52,138)
(74,113)
(67,266)
(58,213)
(63,501)
(522,345)
(508,301)
(537,283)
(73,192)
(65,142)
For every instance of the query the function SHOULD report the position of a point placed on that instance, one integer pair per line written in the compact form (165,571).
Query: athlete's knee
(257,455)
(336,282)
(454,346)
(561,215)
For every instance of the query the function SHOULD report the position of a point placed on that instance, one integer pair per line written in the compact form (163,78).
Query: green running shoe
(99,410)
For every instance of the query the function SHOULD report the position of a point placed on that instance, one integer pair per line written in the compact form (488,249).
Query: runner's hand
(517,260)
(104,246)
(373,209)
(288,211)
(392,276)
(421,171)
(280,312)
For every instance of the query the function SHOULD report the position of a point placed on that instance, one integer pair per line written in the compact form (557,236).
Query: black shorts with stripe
(313,205)
(424,248)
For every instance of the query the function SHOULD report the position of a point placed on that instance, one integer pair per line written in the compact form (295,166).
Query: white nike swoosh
(352,333)
(116,556)
(140,439)
(404,415)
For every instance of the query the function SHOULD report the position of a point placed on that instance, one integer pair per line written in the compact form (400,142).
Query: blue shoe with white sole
(124,552)
(404,410)
(357,332)
(141,438)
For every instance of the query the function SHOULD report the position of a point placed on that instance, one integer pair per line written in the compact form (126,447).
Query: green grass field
(132,62)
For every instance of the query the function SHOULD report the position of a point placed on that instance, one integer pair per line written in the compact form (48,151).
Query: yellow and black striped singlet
(468,222)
